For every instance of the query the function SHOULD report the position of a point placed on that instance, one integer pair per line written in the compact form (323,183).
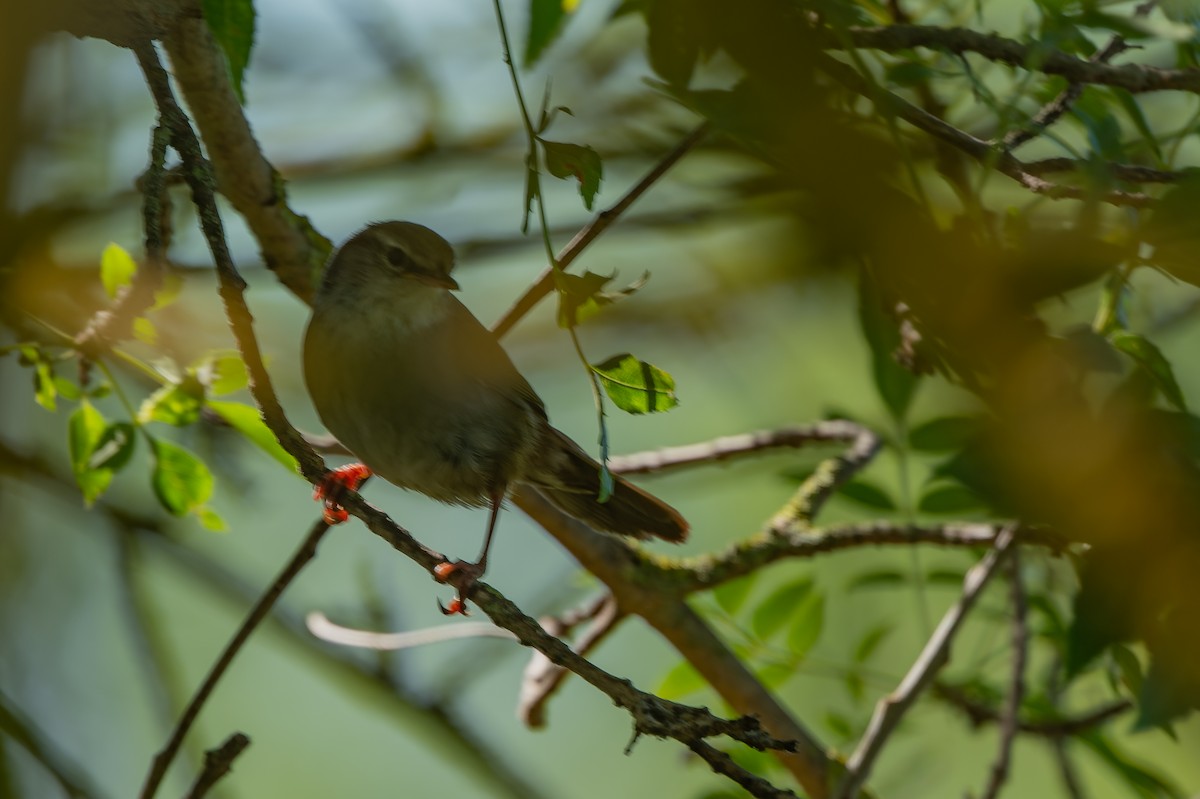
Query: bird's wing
(478,356)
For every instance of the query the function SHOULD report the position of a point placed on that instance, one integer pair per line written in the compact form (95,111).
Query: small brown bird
(412,384)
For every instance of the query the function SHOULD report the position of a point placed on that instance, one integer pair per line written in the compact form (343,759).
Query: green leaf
(946,434)
(1133,110)
(870,642)
(839,725)
(223,372)
(1128,666)
(85,429)
(114,448)
(894,383)
(952,498)
(181,481)
(807,624)
(1165,697)
(867,494)
(635,386)
(117,268)
(582,296)
(247,421)
(145,331)
(211,520)
(45,393)
(1150,358)
(908,73)
(775,611)
(879,578)
(680,681)
(66,389)
(232,25)
(572,160)
(176,404)
(730,595)
(1142,781)
(545,22)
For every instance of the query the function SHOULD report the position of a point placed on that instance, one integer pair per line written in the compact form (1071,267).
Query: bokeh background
(380,109)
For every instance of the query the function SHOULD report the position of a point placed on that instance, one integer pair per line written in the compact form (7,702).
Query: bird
(418,390)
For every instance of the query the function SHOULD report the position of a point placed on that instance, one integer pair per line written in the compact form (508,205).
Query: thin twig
(17,728)
(723,764)
(936,653)
(301,557)
(217,763)
(588,233)
(1010,719)
(542,678)
(1059,727)
(319,625)
(982,151)
(1035,56)
(108,327)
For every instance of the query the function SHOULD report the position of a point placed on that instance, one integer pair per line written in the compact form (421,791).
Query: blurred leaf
(730,595)
(1173,232)
(181,481)
(1166,696)
(211,520)
(175,403)
(1092,350)
(582,296)
(223,372)
(545,22)
(145,331)
(45,393)
(807,623)
(1150,358)
(774,612)
(774,675)
(636,386)
(66,389)
(169,291)
(117,268)
(1102,615)
(950,499)
(1103,129)
(1128,666)
(114,448)
(1133,110)
(1138,778)
(85,429)
(908,73)
(839,725)
(867,494)
(678,32)
(248,421)
(854,685)
(950,577)
(945,434)
(682,680)
(232,25)
(894,383)
(870,642)
(880,578)
(572,160)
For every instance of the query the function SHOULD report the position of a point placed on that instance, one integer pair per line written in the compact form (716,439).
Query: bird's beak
(436,279)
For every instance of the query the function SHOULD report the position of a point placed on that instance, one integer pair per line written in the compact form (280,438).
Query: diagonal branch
(588,233)
(936,654)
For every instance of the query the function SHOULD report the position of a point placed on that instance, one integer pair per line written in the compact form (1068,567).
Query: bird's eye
(397,257)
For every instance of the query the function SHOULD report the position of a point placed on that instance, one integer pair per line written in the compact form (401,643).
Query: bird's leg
(334,486)
(465,575)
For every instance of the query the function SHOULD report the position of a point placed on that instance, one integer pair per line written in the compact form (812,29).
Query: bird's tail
(571,481)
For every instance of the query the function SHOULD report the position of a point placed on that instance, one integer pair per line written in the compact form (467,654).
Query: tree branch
(545,281)
(936,653)
(1009,721)
(217,763)
(1035,56)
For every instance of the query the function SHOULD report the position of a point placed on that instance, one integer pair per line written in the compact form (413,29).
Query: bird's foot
(462,576)
(334,486)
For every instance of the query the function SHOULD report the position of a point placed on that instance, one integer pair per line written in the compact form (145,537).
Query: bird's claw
(334,486)
(463,576)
